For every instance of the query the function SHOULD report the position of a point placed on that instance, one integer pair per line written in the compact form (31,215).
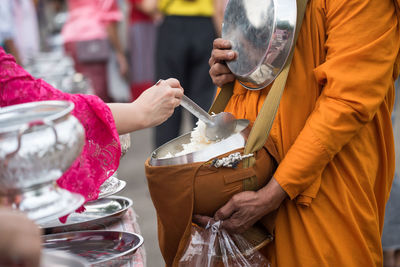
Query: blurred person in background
(26,29)
(184,44)
(143,15)
(7,28)
(391,227)
(90,28)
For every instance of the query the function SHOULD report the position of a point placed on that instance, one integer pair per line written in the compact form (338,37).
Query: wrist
(140,121)
(272,195)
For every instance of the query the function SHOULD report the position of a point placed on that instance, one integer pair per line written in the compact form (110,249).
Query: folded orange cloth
(246,104)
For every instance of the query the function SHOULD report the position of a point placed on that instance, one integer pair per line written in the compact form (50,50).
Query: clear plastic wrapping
(214,246)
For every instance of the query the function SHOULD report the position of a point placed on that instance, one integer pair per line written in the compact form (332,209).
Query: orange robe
(333,134)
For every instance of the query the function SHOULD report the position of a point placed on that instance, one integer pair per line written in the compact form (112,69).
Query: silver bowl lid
(235,141)
(12,118)
(261,32)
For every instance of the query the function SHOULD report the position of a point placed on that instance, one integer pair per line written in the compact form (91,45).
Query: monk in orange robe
(333,135)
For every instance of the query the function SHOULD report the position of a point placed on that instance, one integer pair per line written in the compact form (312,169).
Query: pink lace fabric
(101,152)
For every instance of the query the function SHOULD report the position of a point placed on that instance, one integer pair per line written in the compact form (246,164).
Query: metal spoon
(218,126)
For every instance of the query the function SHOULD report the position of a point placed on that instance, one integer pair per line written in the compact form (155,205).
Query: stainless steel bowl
(38,143)
(236,140)
(261,32)
(99,248)
(58,258)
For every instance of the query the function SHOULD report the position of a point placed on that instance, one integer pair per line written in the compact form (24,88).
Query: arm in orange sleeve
(362,42)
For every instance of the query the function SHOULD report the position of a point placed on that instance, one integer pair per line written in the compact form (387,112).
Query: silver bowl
(58,258)
(98,247)
(235,141)
(262,33)
(38,142)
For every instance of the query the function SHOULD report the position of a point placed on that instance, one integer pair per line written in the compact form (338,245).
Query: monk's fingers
(220,74)
(218,69)
(220,80)
(220,43)
(201,220)
(235,225)
(218,56)
(225,211)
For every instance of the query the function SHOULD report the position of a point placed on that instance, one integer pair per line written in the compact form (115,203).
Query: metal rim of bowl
(131,250)
(54,225)
(65,107)
(191,157)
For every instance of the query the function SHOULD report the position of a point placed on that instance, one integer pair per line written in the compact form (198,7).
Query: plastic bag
(213,246)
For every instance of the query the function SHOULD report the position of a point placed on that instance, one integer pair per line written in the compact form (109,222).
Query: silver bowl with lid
(38,142)
(237,140)
(262,33)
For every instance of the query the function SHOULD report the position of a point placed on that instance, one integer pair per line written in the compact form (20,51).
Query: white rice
(198,141)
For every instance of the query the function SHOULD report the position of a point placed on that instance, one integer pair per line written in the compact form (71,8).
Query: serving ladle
(218,126)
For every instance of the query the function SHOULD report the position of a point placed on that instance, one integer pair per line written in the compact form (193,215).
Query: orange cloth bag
(179,191)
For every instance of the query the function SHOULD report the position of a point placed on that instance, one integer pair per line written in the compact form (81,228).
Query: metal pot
(38,143)
(261,32)
(235,141)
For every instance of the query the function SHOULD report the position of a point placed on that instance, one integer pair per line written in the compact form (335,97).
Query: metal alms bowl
(261,32)
(38,142)
(236,140)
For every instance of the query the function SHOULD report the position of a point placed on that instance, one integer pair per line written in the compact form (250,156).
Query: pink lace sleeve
(101,153)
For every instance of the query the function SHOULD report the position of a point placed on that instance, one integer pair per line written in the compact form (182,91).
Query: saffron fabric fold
(333,134)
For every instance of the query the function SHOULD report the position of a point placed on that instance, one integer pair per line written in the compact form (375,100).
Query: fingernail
(159,81)
(231,54)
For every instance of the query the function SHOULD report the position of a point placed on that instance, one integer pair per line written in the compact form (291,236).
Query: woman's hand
(246,208)
(154,106)
(219,71)
(159,101)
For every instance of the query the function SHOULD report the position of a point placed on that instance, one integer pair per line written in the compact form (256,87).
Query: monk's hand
(219,71)
(202,220)
(246,208)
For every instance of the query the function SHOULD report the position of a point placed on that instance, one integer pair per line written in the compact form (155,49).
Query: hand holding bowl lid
(219,71)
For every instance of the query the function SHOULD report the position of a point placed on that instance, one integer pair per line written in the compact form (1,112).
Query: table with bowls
(38,142)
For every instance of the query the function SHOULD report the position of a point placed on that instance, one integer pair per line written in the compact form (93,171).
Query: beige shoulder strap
(222,99)
(262,126)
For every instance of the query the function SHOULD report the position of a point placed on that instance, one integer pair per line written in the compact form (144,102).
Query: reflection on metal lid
(261,32)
